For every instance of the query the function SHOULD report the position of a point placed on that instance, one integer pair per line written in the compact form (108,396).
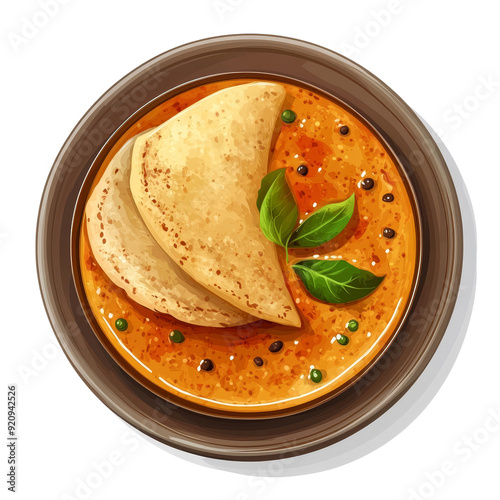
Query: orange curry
(340,153)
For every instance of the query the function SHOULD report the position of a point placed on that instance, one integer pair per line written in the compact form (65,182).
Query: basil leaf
(336,281)
(323,225)
(278,212)
(265,184)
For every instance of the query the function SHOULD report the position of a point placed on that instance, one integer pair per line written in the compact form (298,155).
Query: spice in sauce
(121,324)
(389,233)
(288,116)
(176,336)
(207,365)
(316,375)
(367,184)
(353,325)
(276,346)
(342,339)
(302,170)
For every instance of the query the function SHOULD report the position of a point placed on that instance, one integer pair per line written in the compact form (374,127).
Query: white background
(435,55)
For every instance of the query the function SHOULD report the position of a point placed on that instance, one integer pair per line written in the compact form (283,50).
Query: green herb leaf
(265,184)
(278,211)
(336,281)
(323,225)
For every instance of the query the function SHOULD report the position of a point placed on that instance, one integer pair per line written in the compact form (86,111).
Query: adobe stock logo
(457,114)
(463,450)
(366,32)
(223,7)
(33,24)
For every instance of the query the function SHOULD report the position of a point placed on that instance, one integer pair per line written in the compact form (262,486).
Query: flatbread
(130,257)
(195,181)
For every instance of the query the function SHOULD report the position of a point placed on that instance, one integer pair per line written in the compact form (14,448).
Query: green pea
(176,336)
(288,116)
(316,376)
(342,339)
(121,324)
(353,325)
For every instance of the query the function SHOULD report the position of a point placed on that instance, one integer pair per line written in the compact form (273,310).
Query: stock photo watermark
(372,28)
(458,113)
(462,451)
(265,477)
(419,319)
(38,361)
(224,7)
(100,471)
(122,107)
(31,25)
(12,438)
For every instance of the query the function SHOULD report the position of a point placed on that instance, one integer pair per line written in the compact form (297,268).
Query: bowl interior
(76,231)
(402,361)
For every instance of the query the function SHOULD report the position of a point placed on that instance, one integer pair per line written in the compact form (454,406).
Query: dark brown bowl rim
(272,47)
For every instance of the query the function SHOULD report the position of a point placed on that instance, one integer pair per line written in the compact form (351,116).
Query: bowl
(170,420)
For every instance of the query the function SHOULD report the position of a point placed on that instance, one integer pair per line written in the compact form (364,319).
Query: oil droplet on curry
(329,154)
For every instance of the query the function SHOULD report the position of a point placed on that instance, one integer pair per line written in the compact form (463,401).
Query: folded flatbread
(128,254)
(195,181)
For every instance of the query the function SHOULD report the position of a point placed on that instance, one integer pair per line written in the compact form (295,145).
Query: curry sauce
(329,154)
